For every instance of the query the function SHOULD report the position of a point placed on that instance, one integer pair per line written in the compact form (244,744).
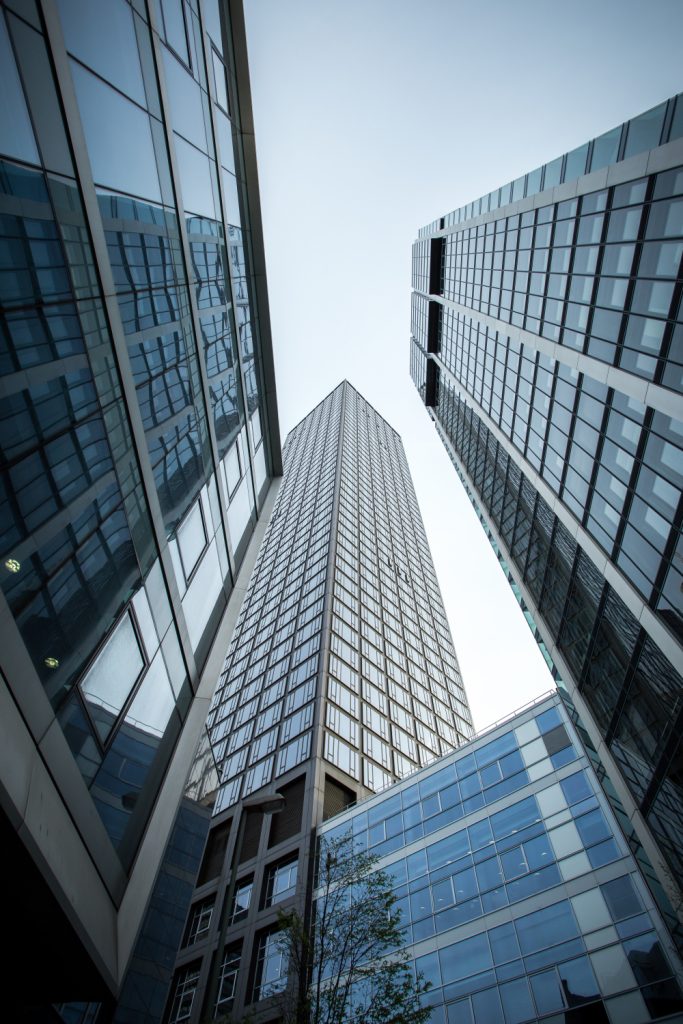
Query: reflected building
(520,898)
(547,346)
(341,678)
(140,447)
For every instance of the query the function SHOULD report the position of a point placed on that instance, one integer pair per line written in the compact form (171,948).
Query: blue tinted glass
(535,882)
(465,766)
(428,967)
(460,1012)
(118,136)
(647,958)
(547,991)
(516,1000)
(420,904)
(578,981)
(16,133)
(196,179)
(448,850)
(494,899)
(187,112)
(576,787)
(553,171)
(494,750)
(548,720)
(486,1006)
(480,834)
(465,885)
(470,787)
(87,25)
(410,796)
(603,853)
(467,958)
(504,945)
(644,132)
(575,164)
(439,780)
(489,874)
(564,756)
(593,827)
(546,927)
(514,818)
(174,23)
(605,149)
(417,864)
(511,763)
(538,853)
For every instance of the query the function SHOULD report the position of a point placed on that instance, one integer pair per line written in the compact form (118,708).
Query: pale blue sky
(374,117)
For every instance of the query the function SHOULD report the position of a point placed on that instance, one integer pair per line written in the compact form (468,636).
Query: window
(280,881)
(221,83)
(271,967)
(227,979)
(199,921)
(112,676)
(242,899)
(183,994)
(192,538)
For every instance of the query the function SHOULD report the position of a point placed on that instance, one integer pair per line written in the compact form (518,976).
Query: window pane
(16,133)
(112,676)
(118,136)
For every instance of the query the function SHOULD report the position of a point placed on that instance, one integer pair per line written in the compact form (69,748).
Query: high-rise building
(341,678)
(520,899)
(547,344)
(139,449)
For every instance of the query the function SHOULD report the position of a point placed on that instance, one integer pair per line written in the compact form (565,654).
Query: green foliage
(351,966)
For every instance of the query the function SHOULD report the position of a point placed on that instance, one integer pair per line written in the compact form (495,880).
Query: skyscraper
(139,443)
(547,346)
(341,678)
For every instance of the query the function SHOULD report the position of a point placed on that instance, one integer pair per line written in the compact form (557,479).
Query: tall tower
(341,678)
(139,446)
(547,345)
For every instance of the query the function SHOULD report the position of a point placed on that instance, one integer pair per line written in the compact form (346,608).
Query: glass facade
(519,899)
(341,677)
(138,446)
(546,331)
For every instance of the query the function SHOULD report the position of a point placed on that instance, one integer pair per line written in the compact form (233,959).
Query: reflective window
(16,133)
(271,966)
(114,673)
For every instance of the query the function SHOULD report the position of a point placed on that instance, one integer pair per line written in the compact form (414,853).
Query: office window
(280,881)
(227,979)
(199,921)
(242,899)
(184,993)
(270,976)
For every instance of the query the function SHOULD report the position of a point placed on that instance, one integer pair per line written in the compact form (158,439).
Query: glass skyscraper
(139,444)
(341,678)
(547,344)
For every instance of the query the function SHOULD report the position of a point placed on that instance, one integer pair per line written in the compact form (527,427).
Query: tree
(351,966)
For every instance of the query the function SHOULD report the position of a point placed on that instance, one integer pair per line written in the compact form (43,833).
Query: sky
(374,117)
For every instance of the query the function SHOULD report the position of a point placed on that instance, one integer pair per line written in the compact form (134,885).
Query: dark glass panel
(666,814)
(539,547)
(609,659)
(580,613)
(644,132)
(71,589)
(558,573)
(16,134)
